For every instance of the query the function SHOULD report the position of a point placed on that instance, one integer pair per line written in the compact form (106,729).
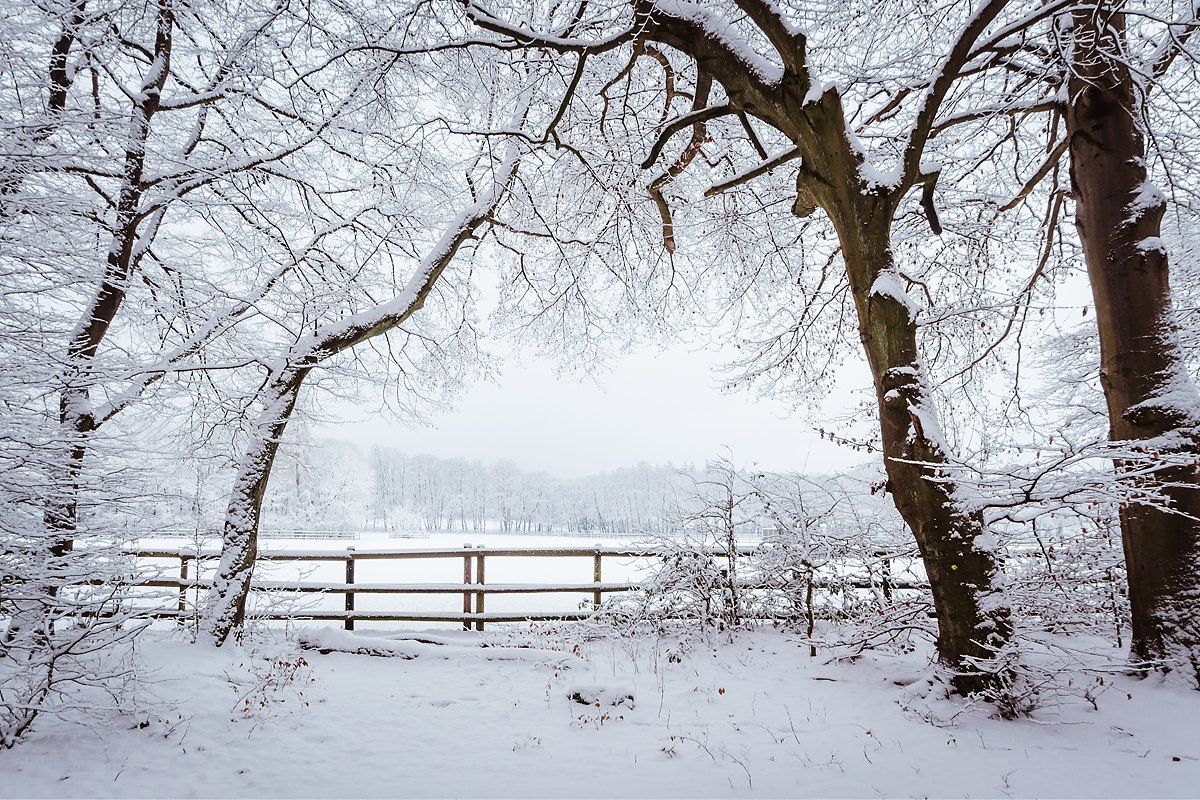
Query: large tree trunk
(76,421)
(226,610)
(1152,403)
(974,621)
(973,618)
(959,555)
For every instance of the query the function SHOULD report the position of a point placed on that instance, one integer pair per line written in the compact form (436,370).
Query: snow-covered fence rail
(474,588)
(281,533)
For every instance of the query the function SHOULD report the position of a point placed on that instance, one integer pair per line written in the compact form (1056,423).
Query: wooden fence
(474,588)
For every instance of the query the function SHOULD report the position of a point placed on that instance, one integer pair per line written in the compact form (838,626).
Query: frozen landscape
(599,398)
(589,709)
(755,718)
(580,709)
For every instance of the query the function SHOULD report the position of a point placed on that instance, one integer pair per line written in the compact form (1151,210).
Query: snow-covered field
(756,717)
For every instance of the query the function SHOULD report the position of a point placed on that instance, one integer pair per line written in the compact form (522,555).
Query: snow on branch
(957,58)
(357,328)
(720,32)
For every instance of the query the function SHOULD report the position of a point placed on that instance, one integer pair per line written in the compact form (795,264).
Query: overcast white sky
(655,406)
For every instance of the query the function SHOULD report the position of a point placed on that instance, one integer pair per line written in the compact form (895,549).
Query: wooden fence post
(810,613)
(479,592)
(596,559)
(1112,600)
(183,576)
(350,594)
(887,580)
(466,583)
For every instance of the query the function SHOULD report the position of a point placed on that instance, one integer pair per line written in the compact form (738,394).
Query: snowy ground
(753,718)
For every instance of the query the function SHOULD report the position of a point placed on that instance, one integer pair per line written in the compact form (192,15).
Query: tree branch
(790,44)
(960,54)
(699,131)
(750,174)
(690,119)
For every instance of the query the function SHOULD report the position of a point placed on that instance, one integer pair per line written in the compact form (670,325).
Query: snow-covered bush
(827,559)
(64,622)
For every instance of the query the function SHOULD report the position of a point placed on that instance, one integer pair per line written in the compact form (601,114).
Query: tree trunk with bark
(974,620)
(958,553)
(1152,403)
(76,419)
(227,600)
(226,609)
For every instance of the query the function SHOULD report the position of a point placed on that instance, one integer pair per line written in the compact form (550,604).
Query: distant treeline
(333,485)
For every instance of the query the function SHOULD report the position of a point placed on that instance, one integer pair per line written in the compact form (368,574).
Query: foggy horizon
(664,407)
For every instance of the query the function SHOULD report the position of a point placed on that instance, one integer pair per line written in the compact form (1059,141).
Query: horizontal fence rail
(474,588)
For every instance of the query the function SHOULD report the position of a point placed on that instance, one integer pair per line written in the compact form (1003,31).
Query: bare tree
(227,603)
(167,181)
(753,62)
(178,119)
